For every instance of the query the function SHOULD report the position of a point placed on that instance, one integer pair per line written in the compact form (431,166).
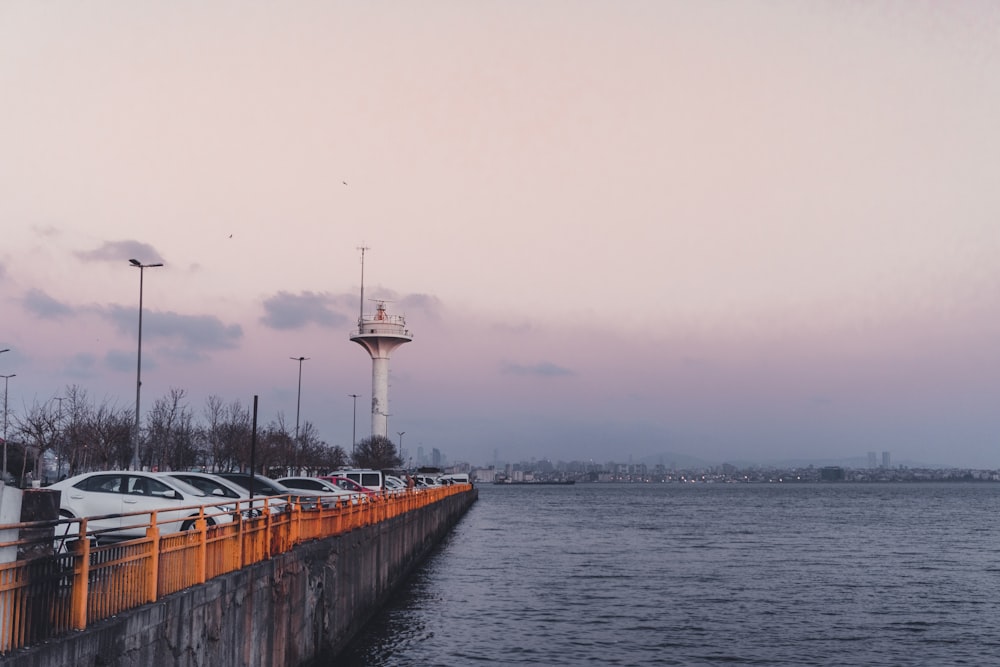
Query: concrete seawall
(296,609)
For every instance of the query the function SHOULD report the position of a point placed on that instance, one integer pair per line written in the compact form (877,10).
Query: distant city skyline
(758,231)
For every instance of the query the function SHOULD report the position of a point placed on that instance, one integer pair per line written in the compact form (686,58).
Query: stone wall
(298,608)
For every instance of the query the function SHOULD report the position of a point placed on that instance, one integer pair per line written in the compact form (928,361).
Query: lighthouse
(380,334)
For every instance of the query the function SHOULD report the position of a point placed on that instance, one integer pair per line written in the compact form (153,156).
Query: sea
(704,574)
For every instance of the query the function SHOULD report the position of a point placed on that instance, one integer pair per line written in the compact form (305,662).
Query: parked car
(106,496)
(329,492)
(349,485)
(455,478)
(394,484)
(426,481)
(213,485)
(366,477)
(262,486)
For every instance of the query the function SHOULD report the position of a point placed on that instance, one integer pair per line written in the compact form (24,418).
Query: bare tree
(377,452)
(72,447)
(38,430)
(84,436)
(276,449)
(313,456)
(213,431)
(108,437)
(330,458)
(170,434)
(235,436)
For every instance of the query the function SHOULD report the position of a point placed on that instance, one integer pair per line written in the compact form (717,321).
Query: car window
(207,486)
(303,484)
(101,484)
(260,486)
(138,486)
(144,486)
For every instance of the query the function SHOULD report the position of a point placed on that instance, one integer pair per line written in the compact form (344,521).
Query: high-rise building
(885,460)
(872,460)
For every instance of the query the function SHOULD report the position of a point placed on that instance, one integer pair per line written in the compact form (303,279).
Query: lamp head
(135,262)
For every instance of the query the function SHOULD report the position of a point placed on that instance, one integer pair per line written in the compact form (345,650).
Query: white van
(371,479)
(455,478)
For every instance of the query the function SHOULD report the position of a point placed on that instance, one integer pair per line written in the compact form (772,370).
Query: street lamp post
(59,435)
(138,366)
(400,434)
(354,427)
(298,402)
(6,379)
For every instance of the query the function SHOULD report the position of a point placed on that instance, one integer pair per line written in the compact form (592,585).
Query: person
(410,483)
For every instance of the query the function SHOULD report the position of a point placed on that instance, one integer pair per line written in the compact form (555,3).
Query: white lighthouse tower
(380,334)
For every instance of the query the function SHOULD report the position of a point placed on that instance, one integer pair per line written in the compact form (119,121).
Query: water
(811,574)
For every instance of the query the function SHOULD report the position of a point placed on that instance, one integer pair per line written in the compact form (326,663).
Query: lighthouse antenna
(361,306)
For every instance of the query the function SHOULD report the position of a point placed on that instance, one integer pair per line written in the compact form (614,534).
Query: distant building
(872,461)
(831,474)
(885,460)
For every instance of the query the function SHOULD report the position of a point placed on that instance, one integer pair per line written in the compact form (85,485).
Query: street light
(298,403)
(6,379)
(354,427)
(138,366)
(400,434)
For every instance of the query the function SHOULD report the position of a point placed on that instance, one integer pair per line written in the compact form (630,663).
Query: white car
(215,486)
(330,492)
(394,484)
(111,494)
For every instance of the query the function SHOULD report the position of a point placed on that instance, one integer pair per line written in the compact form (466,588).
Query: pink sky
(735,231)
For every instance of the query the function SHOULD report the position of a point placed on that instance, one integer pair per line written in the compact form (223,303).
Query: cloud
(83,366)
(123,361)
(121,251)
(425,304)
(195,332)
(541,369)
(42,305)
(46,231)
(295,311)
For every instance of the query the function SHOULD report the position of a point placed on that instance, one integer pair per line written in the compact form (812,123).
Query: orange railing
(85,579)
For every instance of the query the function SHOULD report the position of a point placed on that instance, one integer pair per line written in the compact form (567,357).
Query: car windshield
(264,486)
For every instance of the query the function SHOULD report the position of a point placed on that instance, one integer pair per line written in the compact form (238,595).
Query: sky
(654,231)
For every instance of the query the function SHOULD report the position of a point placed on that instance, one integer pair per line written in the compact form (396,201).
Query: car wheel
(189,524)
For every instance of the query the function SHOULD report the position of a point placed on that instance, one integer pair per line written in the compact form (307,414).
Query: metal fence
(85,578)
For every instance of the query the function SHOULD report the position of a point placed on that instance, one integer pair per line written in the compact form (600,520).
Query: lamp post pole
(138,365)
(400,434)
(6,379)
(298,401)
(354,427)
(59,436)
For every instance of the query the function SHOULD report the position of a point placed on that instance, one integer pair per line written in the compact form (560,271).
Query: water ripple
(703,575)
